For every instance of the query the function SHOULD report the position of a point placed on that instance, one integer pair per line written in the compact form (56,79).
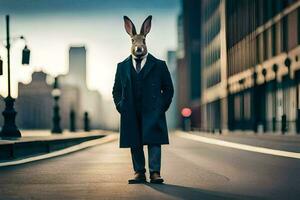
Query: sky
(52,26)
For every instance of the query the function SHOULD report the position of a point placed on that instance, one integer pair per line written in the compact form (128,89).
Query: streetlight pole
(284,122)
(72,120)
(242,107)
(9,128)
(265,110)
(254,102)
(274,119)
(8,54)
(56,117)
(296,82)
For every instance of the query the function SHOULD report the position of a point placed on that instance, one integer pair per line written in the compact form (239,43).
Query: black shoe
(156,178)
(138,178)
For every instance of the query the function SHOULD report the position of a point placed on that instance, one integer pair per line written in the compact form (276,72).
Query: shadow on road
(195,193)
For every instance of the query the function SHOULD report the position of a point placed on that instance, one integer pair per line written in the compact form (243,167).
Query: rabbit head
(138,47)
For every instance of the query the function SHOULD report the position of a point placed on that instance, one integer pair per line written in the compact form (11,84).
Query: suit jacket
(157,96)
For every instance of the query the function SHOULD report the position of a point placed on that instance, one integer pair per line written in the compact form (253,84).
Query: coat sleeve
(117,89)
(166,87)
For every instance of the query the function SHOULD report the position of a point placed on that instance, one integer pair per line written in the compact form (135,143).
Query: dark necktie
(138,65)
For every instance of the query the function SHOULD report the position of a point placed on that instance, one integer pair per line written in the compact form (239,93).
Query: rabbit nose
(138,49)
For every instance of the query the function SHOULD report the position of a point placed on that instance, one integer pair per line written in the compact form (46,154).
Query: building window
(259,48)
(253,51)
(247,106)
(237,107)
(279,37)
(298,25)
(265,45)
(292,30)
(284,33)
(274,46)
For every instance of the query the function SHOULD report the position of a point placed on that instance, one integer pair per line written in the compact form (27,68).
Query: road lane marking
(83,145)
(245,147)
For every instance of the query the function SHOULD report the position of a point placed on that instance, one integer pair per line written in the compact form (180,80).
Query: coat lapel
(148,65)
(127,69)
(147,68)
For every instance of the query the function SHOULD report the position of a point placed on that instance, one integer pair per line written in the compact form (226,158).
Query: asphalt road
(191,169)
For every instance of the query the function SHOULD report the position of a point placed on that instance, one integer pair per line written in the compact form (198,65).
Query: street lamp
(72,120)
(254,101)
(264,119)
(284,125)
(86,122)
(9,129)
(25,56)
(274,119)
(56,117)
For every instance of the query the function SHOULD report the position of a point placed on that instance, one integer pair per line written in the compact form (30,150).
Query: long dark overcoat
(156,98)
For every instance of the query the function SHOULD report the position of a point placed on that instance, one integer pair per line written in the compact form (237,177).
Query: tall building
(77,67)
(182,85)
(247,62)
(263,39)
(90,100)
(172,113)
(189,60)
(214,70)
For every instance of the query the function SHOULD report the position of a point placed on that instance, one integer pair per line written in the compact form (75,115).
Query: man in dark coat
(142,93)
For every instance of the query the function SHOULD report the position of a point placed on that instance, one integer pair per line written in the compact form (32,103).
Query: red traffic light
(186,112)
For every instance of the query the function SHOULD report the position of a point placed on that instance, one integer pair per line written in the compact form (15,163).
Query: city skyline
(99,27)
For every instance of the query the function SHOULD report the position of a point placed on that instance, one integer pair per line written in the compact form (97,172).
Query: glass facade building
(214,71)
(262,63)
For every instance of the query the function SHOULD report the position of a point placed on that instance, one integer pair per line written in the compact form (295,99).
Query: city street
(80,79)
(191,169)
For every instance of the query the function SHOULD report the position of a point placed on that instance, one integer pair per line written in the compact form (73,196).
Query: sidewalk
(39,142)
(41,135)
(267,140)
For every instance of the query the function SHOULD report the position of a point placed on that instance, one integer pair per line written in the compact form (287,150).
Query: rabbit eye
(132,40)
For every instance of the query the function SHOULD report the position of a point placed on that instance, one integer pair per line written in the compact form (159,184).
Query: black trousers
(154,158)
(138,156)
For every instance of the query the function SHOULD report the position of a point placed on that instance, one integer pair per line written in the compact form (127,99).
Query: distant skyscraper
(172,113)
(183,84)
(77,67)
(90,100)
(214,66)
(189,60)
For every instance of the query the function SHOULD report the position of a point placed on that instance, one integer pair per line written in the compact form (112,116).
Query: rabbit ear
(129,26)
(145,29)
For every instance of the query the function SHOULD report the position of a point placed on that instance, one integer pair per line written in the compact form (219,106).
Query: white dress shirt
(143,62)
